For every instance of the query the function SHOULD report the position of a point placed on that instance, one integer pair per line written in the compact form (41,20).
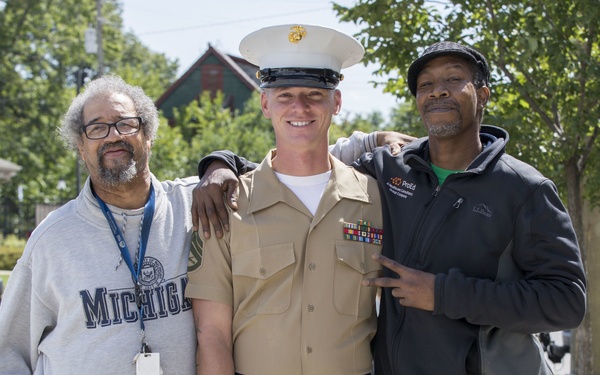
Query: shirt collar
(266,190)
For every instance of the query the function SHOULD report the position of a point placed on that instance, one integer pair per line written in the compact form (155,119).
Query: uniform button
(311,308)
(262,271)
(312,266)
(308,350)
(363,265)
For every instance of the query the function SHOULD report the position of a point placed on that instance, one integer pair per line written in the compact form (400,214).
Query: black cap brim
(299,77)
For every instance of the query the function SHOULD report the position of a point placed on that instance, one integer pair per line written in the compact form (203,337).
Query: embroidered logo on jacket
(400,187)
(483,210)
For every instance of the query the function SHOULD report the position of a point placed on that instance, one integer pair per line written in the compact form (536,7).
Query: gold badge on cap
(297,33)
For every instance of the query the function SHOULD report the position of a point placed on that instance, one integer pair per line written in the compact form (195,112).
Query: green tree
(345,125)
(137,65)
(171,154)
(545,89)
(405,119)
(42,44)
(203,126)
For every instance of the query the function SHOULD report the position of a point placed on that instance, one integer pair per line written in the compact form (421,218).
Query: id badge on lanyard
(146,362)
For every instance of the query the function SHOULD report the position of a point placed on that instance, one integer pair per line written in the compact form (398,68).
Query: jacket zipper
(397,336)
(422,216)
(400,322)
(433,238)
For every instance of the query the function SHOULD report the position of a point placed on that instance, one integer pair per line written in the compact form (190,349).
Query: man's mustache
(440,103)
(115,145)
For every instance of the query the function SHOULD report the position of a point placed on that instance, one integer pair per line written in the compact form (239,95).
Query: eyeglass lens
(101,130)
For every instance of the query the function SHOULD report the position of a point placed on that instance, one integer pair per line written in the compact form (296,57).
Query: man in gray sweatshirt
(100,286)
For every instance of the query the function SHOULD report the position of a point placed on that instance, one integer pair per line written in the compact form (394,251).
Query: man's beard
(444,130)
(120,173)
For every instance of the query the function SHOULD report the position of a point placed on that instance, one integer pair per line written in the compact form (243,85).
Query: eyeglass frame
(113,124)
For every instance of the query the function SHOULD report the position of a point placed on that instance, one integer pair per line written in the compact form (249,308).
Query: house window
(212,78)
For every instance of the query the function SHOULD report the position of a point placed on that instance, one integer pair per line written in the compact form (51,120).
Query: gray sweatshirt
(69,309)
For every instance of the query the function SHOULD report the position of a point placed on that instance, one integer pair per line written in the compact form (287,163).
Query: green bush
(11,249)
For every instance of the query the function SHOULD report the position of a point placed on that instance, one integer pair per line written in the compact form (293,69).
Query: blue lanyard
(120,239)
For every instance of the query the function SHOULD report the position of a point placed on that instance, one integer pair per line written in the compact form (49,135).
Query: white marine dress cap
(300,55)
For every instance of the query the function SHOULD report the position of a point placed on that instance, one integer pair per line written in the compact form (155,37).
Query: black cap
(446,48)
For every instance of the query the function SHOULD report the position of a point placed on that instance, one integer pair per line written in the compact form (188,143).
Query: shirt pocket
(263,277)
(353,265)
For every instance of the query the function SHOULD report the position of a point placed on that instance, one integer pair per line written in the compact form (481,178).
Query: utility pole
(99,23)
(93,44)
(91,47)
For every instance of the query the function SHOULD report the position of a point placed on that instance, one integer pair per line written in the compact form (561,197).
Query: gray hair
(70,130)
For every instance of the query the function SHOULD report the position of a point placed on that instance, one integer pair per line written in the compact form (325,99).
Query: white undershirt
(308,189)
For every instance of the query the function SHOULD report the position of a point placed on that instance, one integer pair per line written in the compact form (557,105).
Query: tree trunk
(581,337)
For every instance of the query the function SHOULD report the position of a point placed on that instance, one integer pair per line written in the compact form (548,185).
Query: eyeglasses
(100,130)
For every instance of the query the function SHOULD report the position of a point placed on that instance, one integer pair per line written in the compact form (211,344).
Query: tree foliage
(42,44)
(344,125)
(246,133)
(545,60)
(545,82)
(203,126)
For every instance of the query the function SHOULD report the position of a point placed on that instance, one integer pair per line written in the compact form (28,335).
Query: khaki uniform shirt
(293,280)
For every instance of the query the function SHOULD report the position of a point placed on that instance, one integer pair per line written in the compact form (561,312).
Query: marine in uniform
(281,292)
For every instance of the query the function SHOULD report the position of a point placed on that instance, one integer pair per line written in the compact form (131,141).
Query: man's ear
(264,104)
(337,97)
(80,150)
(483,94)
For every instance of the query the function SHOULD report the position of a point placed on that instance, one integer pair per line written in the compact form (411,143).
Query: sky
(183,29)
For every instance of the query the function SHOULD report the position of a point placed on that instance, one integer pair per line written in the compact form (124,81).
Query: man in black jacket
(480,252)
